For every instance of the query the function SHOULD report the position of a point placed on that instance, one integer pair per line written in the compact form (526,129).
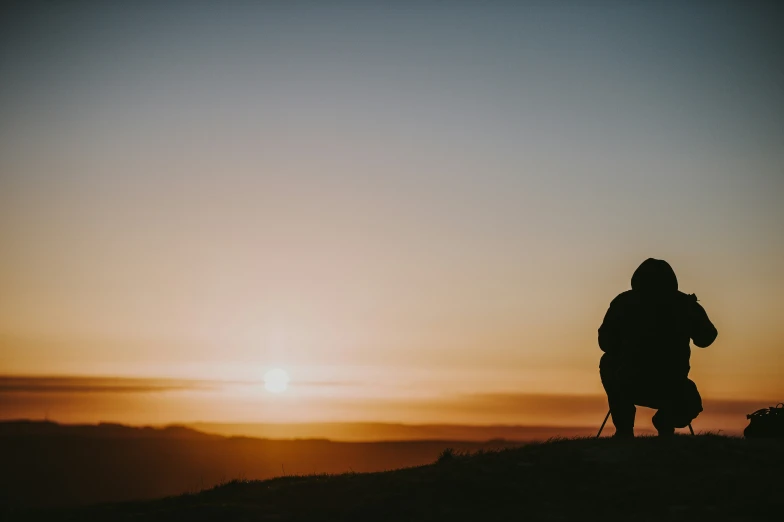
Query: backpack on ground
(767,422)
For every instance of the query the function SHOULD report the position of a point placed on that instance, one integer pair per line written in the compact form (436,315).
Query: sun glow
(276,380)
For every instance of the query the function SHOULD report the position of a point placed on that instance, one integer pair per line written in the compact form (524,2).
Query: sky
(419,210)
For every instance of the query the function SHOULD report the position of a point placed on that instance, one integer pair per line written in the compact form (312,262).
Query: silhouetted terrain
(47,464)
(684,478)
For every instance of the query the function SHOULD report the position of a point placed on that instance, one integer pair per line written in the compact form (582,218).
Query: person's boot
(663,425)
(624,423)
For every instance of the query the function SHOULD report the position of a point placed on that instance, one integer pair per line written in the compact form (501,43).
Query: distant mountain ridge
(337,431)
(103,429)
(380,431)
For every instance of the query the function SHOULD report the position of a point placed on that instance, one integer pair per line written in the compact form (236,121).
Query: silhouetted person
(645,339)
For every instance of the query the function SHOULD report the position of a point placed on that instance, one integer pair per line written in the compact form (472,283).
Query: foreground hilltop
(705,477)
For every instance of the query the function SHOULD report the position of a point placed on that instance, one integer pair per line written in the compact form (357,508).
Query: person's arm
(609,331)
(703,333)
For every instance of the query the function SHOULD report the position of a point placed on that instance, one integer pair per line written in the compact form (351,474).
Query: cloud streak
(82,384)
(25,384)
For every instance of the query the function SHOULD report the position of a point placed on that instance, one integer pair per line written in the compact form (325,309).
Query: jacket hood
(654,276)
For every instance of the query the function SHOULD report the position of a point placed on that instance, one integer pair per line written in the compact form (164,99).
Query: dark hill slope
(685,478)
(51,465)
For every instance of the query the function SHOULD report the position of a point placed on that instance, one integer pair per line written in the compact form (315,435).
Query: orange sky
(425,228)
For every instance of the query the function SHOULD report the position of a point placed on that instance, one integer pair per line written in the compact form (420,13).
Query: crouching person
(645,339)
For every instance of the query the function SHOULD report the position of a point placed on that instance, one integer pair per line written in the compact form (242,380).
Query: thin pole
(691,429)
(605,422)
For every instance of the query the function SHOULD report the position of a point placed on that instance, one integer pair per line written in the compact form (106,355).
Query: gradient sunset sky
(420,210)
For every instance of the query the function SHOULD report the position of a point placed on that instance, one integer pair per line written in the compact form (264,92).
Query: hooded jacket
(648,328)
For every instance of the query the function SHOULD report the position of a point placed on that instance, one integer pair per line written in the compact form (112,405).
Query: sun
(276,380)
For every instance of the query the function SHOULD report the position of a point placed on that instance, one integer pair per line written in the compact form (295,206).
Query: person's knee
(692,397)
(688,407)
(683,419)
